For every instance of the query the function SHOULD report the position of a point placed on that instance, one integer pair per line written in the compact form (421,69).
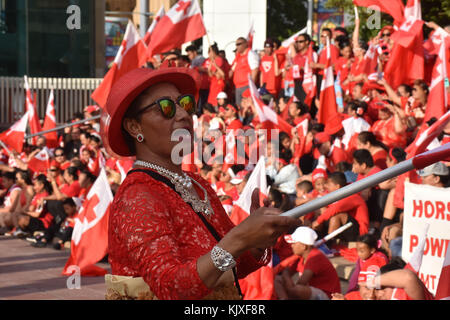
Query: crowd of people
(375,126)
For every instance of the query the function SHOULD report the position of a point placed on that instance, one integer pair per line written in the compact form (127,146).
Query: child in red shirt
(318,278)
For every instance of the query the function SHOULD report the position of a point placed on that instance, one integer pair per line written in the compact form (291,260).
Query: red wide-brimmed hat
(126,90)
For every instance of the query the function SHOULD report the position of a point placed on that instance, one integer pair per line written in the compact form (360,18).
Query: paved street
(30,273)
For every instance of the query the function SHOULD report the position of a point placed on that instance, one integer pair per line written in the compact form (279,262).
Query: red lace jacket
(154,234)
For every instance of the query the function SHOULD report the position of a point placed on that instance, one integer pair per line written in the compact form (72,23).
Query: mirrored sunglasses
(168,107)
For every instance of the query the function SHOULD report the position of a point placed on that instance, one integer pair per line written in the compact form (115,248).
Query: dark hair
(191,48)
(407,88)
(369,239)
(343,166)
(47,185)
(355,105)
(422,84)
(363,156)
(338,178)
(319,127)
(305,185)
(369,137)
(86,134)
(363,45)
(328,30)
(73,171)
(304,109)
(305,37)
(11,175)
(396,263)
(399,154)
(343,30)
(343,42)
(69,201)
(281,199)
(95,138)
(359,84)
(92,177)
(25,175)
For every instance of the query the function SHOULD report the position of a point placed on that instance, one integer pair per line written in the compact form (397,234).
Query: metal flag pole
(418,162)
(318,243)
(62,127)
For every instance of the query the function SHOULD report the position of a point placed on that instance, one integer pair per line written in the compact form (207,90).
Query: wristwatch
(222,259)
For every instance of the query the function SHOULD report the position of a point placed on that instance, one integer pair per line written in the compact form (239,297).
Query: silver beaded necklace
(183,185)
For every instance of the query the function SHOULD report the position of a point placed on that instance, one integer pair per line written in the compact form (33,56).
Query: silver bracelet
(222,259)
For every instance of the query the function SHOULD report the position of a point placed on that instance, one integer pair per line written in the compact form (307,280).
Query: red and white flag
(123,166)
(267,116)
(156,19)
(40,162)
(182,23)
(286,43)
(50,122)
(132,54)
(408,48)
(13,137)
(302,131)
(33,118)
(443,287)
(437,101)
(327,105)
(257,285)
(415,261)
(250,36)
(394,8)
(257,179)
(424,140)
(309,83)
(370,60)
(91,227)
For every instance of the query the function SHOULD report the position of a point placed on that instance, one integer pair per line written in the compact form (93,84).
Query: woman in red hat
(168,227)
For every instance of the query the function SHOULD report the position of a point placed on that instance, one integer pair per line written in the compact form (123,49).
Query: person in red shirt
(391,127)
(321,63)
(317,277)
(36,218)
(367,140)
(61,159)
(231,113)
(343,65)
(375,197)
(269,70)
(299,54)
(397,283)
(330,153)
(350,209)
(245,63)
(218,69)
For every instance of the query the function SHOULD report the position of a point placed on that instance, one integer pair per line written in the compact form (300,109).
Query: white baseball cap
(304,235)
(222,95)
(438,169)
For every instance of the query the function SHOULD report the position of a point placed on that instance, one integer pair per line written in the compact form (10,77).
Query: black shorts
(35,225)
(352,233)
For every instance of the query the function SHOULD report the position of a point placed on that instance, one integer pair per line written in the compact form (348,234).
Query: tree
(284,18)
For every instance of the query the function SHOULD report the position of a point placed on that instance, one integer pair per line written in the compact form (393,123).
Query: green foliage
(286,17)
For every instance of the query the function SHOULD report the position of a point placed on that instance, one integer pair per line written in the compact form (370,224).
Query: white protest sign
(427,205)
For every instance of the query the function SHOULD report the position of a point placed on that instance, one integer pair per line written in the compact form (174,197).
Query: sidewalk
(28,273)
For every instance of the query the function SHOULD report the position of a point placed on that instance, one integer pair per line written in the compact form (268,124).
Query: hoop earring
(140,137)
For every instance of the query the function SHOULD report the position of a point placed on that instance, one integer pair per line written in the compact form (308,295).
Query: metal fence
(71,96)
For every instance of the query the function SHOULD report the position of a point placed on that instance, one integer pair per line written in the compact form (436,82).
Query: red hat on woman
(127,89)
